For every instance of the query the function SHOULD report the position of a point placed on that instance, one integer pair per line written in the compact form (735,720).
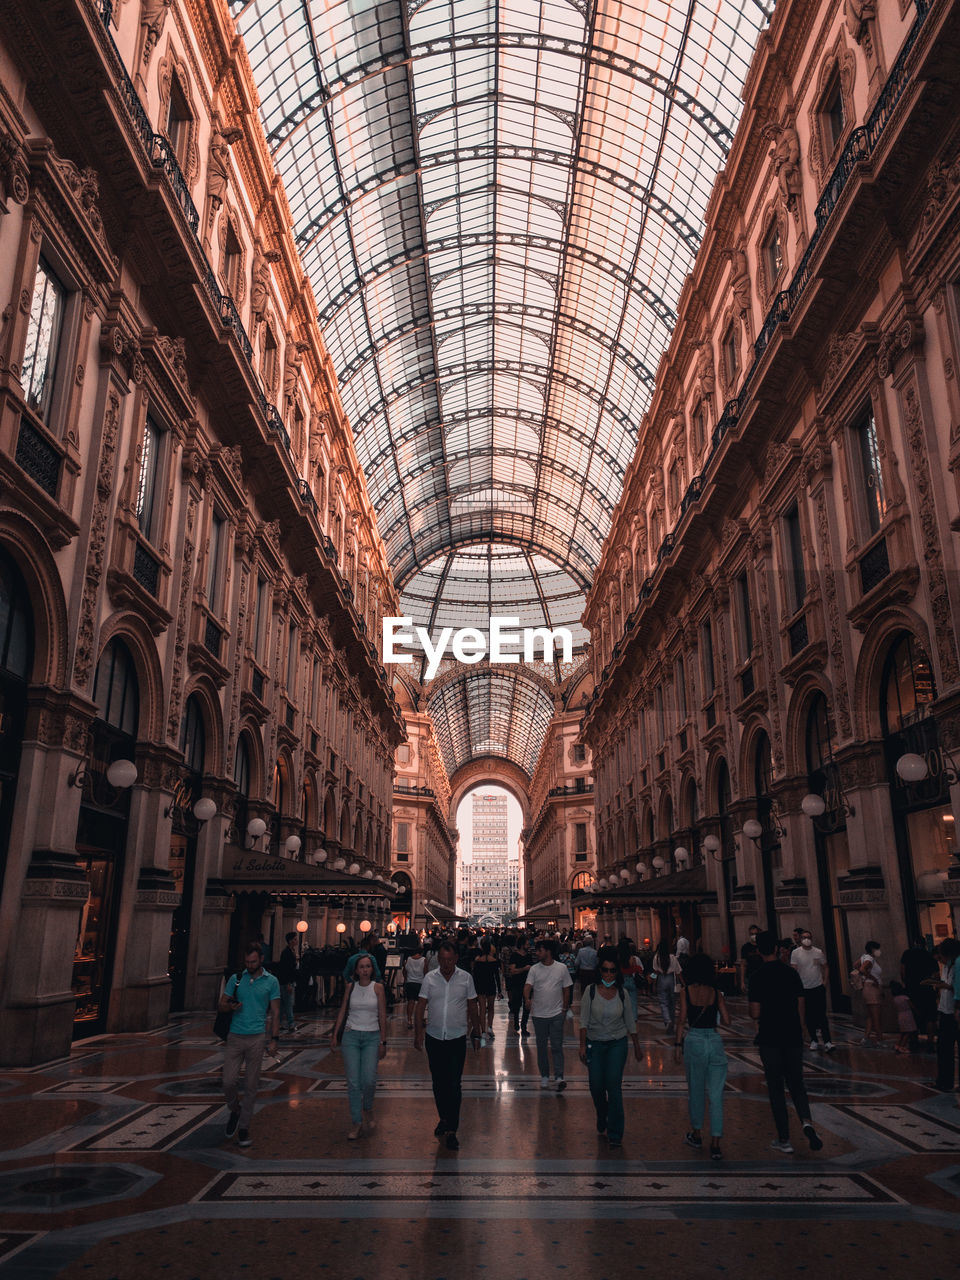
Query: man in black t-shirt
(776,1005)
(750,960)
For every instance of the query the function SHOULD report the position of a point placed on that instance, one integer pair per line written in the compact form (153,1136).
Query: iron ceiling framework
(498,202)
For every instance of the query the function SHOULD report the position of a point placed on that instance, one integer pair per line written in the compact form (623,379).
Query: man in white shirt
(547,997)
(448,1000)
(811,964)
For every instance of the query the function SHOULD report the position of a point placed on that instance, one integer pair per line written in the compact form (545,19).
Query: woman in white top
(667,973)
(869,966)
(414,968)
(363,1022)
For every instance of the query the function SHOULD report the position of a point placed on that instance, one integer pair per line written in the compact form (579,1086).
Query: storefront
(105,778)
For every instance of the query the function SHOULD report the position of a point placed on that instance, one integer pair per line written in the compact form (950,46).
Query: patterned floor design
(113,1164)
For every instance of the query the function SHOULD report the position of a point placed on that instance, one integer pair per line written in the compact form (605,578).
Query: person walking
(586,962)
(286,974)
(485,967)
(945,986)
(776,1005)
(547,997)
(361,1032)
(869,966)
(630,971)
(446,1004)
(413,970)
(666,976)
(253,998)
(607,1021)
(811,964)
(702,1010)
(519,964)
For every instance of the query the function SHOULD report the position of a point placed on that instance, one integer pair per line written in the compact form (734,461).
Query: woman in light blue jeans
(363,1022)
(702,1009)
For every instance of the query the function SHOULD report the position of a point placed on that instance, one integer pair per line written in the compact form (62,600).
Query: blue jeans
(549,1029)
(605,1062)
(667,995)
(705,1060)
(287,992)
(361,1052)
(630,987)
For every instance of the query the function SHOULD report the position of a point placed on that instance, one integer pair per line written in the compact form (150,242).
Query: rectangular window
(260,622)
(579,753)
(674,487)
(293,658)
(773,253)
(43,340)
(745,618)
(730,355)
(403,837)
(147,482)
(796,574)
(834,116)
(698,428)
(580,830)
(232,261)
(178,123)
(680,681)
(870,474)
(658,703)
(706,660)
(642,719)
(215,559)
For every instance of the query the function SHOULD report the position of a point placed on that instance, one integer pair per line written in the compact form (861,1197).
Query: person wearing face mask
(869,966)
(811,964)
(606,1022)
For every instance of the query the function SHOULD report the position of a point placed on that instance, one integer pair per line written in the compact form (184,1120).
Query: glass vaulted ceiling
(497,202)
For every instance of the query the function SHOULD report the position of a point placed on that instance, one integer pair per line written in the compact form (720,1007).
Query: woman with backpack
(703,1011)
(606,1023)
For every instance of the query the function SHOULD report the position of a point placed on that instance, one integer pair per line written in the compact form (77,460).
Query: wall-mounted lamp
(203,810)
(658,864)
(365,926)
(302,928)
(339,864)
(368,874)
(913,768)
(120,774)
(321,855)
(354,868)
(292,845)
(712,846)
(681,856)
(341,928)
(753,830)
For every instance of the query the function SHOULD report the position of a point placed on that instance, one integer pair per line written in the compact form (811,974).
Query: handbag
(221,1023)
(856,980)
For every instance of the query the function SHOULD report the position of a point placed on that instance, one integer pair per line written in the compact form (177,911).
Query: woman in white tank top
(362,1023)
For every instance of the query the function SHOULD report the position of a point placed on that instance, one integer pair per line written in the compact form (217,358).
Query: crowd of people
(451,982)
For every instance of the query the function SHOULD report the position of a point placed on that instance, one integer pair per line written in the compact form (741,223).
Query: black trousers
(784,1066)
(815,1011)
(946,1050)
(446,1058)
(518,1010)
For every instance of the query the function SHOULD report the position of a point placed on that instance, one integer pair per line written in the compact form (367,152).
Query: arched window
(762,768)
(241,778)
(115,689)
(819,736)
(908,685)
(192,736)
(16,630)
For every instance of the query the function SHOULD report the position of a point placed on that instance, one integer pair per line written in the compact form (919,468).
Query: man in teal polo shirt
(251,1001)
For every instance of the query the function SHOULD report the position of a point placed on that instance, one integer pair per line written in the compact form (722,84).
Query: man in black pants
(448,1000)
(776,1005)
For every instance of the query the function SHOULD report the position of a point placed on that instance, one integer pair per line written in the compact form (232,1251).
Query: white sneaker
(813,1044)
(828,1046)
(544,1082)
(786,1147)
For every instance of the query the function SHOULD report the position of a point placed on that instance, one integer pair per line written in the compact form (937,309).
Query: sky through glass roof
(497,202)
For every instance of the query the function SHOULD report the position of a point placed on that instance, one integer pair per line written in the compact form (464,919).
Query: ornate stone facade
(162,535)
(794,630)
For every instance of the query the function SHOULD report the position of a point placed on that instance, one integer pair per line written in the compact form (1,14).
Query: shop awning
(250,870)
(682,886)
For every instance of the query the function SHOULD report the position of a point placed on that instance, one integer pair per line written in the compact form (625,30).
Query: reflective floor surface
(113,1163)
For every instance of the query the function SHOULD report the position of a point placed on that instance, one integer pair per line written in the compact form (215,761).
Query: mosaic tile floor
(113,1163)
